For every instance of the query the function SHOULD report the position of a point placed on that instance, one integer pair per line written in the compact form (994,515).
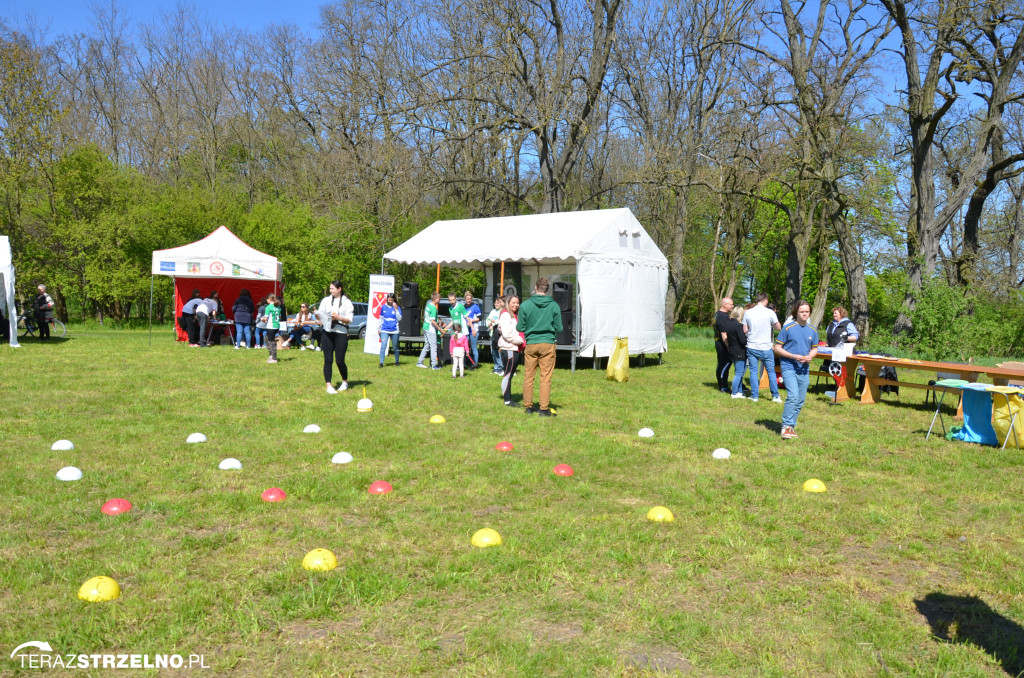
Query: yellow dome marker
(660,514)
(320,560)
(99,590)
(437,419)
(486,537)
(814,485)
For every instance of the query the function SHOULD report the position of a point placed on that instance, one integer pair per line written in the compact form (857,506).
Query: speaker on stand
(562,294)
(410,295)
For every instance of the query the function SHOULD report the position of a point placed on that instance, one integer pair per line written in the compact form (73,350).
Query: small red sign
(216,268)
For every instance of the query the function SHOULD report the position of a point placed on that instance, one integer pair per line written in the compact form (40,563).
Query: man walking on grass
(721,349)
(796,346)
(759,322)
(541,320)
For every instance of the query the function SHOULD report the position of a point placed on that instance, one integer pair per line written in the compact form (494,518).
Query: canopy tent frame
(7,298)
(618,272)
(206,263)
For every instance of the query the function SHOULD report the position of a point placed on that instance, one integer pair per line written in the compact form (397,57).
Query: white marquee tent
(7,287)
(620,276)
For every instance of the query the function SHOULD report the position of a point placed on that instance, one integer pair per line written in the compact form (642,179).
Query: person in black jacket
(736,345)
(243,311)
(722,368)
(43,307)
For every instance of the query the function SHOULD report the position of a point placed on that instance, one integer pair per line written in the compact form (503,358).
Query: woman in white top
(335,312)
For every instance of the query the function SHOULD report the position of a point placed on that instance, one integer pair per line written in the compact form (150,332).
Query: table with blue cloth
(978,403)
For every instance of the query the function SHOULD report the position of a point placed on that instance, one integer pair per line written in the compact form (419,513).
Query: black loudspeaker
(444,356)
(411,324)
(561,292)
(513,283)
(567,336)
(410,295)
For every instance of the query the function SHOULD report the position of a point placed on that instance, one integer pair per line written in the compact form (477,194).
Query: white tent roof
(7,287)
(221,253)
(539,238)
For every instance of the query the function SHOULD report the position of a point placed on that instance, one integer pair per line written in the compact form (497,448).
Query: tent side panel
(619,299)
(228,290)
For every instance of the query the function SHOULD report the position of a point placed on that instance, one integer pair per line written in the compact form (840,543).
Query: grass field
(910,564)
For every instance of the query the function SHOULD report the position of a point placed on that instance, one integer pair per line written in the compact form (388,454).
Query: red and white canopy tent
(221,262)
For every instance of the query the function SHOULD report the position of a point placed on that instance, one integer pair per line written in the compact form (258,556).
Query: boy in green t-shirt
(430,332)
(456,311)
(272,313)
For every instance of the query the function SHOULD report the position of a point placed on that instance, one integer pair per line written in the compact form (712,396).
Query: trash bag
(618,363)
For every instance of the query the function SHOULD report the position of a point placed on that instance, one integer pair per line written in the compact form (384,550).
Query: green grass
(754,577)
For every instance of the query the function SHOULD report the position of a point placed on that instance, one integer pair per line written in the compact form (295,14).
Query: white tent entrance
(607,274)
(221,262)
(7,303)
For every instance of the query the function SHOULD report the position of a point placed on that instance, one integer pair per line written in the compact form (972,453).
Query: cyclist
(43,307)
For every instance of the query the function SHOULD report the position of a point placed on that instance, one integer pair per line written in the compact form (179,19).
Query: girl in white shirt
(335,312)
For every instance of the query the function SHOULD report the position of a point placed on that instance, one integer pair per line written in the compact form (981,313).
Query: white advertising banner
(380,287)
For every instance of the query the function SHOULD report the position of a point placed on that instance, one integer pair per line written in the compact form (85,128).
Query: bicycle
(27,327)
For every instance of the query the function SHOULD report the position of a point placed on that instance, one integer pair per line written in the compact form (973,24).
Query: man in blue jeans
(759,321)
(796,346)
(473,318)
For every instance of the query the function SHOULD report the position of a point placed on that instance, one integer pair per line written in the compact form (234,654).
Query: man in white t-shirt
(759,322)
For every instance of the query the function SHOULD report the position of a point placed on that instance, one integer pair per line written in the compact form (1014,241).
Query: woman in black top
(736,344)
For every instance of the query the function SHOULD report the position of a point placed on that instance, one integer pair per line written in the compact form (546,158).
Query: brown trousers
(542,356)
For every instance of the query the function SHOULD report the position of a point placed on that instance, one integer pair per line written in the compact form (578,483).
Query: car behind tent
(612,274)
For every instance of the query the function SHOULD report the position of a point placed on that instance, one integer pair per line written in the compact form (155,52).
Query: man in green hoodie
(540,320)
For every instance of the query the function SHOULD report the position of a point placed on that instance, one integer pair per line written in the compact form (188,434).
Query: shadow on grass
(773,425)
(37,340)
(968,619)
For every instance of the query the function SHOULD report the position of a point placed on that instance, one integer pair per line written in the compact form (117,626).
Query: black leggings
(334,344)
(509,360)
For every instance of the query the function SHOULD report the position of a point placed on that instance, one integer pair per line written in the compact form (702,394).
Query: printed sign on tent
(380,287)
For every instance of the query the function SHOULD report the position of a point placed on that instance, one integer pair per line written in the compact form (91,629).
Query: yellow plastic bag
(618,363)
(1001,415)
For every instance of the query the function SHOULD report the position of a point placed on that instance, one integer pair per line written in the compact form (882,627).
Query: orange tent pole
(437,287)
(501,284)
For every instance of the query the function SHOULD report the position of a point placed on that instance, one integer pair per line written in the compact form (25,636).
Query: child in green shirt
(272,314)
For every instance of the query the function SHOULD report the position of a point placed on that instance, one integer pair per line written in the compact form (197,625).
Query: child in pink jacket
(458,346)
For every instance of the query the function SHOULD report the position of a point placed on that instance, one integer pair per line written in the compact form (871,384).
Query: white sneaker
(302,348)
(271,361)
(243,345)
(739,395)
(777,399)
(753,399)
(344,386)
(317,348)
(237,347)
(331,389)
(421,365)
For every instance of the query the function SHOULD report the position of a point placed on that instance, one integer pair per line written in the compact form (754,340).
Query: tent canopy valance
(221,254)
(562,237)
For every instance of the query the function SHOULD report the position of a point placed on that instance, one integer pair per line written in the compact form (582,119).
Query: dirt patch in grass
(660,659)
(452,643)
(558,633)
(302,632)
(492,509)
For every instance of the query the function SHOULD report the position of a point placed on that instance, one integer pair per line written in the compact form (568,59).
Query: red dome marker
(503,446)
(273,494)
(116,507)
(380,487)
(563,470)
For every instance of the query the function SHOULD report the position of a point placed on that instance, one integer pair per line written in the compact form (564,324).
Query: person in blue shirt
(390,316)
(796,345)
(472,327)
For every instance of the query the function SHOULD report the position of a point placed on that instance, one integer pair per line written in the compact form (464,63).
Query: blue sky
(73,16)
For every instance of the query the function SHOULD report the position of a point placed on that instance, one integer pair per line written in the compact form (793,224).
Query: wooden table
(873,381)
